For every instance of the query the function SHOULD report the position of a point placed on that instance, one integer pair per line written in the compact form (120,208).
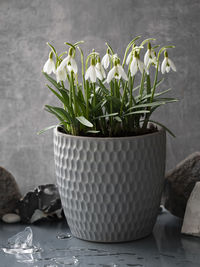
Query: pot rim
(160,131)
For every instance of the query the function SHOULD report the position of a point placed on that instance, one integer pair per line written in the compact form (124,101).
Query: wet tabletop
(165,247)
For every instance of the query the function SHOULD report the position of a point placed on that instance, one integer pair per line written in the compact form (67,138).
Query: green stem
(87,100)
(148,100)
(131,79)
(73,94)
(123,98)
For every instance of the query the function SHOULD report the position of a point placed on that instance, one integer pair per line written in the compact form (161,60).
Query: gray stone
(11,218)
(41,203)
(191,222)
(179,184)
(9,192)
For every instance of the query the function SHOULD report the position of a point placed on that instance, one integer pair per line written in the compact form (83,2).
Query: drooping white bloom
(167,64)
(106,60)
(149,55)
(136,65)
(61,74)
(152,61)
(49,66)
(130,55)
(116,72)
(69,62)
(93,73)
(101,69)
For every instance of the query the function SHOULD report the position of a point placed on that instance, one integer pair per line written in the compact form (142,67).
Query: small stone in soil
(11,218)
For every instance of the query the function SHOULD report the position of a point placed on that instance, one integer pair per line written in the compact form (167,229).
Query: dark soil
(152,129)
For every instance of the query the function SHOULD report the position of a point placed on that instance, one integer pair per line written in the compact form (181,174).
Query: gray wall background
(26,26)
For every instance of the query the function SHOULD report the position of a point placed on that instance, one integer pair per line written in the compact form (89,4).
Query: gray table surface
(165,247)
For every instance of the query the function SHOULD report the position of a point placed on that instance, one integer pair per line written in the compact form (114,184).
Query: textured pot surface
(110,187)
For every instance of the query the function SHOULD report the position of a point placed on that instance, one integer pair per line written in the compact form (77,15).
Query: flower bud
(71,51)
(149,46)
(93,61)
(166,54)
(51,55)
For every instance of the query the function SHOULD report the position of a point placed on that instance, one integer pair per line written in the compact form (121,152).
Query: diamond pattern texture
(110,188)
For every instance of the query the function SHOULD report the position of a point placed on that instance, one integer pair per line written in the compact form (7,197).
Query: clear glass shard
(21,244)
(22,240)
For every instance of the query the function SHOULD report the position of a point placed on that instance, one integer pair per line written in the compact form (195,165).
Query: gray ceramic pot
(110,188)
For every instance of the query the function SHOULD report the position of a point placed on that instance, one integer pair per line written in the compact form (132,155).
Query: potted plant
(109,153)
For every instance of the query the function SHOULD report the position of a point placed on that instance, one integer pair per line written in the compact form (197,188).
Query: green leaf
(147,105)
(84,121)
(163,126)
(107,115)
(102,86)
(136,112)
(46,129)
(117,118)
(61,113)
(57,94)
(51,80)
(167,99)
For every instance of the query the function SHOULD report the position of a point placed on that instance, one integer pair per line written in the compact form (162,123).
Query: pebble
(11,218)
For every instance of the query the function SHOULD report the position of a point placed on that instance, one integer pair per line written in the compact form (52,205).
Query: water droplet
(64,236)
(67,261)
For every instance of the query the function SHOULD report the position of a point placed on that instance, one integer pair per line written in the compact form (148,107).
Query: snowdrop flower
(93,72)
(100,68)
(149,55)
(69,62)
(152,61)
(116,72)
(61,74)
(136,65)
(106,60)
(49,66)
(167,64)
(130,56)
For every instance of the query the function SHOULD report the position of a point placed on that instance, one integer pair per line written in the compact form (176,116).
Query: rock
(191,222)
(9,192)
(11,218)
(179,184)
(42,203)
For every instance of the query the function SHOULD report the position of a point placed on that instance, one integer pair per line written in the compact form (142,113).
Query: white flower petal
(129,58)
(93,75)
(46,66)
(106,61)
(167,69)
(133,67)
(61,75)
(87,74)
(49,66)
(122,72)
(146,57)
(111,74)
(163,66)
(74,65)
(98,74)
(172,65)
(64,62)
(101,69)
(140,66)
